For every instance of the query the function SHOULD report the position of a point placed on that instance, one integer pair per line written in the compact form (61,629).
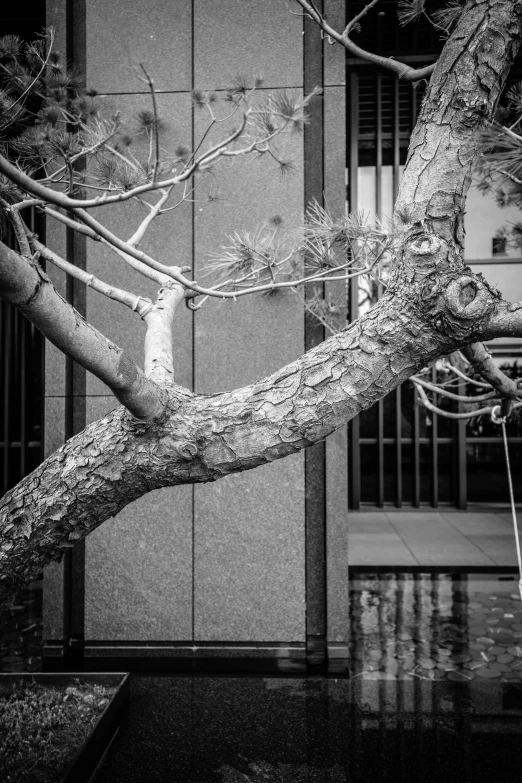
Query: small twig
(156,123)
(34,187)
(136,303)
(348,29)
(155,210)
(139,266)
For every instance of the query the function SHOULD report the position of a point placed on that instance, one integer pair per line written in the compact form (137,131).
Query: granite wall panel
(243,523)
(138,576)
(169,240)
(53,602)
(335,53)
(121,35)
(54,358)
(335,149)
(239,342)
(249,555)
(337,537)
(54,433)
(54,424)
(139,565)
(248,574)
(246,38)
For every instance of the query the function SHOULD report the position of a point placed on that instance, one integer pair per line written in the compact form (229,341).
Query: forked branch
(402,70)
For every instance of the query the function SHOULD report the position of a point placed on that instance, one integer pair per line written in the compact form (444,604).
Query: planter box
(87,758)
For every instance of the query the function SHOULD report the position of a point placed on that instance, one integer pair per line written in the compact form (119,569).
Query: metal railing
(398,453)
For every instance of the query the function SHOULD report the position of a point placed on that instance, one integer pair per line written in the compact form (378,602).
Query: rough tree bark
(433,305)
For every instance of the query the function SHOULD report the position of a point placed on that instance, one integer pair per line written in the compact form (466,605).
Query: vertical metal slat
(380,448)
(434,449)
(462,490)
(416,453)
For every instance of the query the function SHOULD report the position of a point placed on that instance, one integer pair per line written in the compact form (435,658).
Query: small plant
(42,727)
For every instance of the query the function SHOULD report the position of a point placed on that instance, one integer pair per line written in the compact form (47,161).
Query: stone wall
(225,565)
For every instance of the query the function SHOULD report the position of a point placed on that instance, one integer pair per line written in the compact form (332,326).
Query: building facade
(255,565)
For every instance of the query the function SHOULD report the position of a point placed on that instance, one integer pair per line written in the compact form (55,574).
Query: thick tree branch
(24,285)
(481,360)
(462,94)
(159,319)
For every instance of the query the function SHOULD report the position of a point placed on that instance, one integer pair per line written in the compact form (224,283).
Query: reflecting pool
(203,729)
(435,626)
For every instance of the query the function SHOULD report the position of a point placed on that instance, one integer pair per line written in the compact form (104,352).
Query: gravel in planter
(42,727)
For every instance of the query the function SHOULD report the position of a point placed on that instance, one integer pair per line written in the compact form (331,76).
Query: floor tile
(501,549)
(379,550)
(481,524)
(431,538)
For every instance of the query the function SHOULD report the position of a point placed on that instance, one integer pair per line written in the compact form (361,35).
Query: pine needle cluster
(499,163)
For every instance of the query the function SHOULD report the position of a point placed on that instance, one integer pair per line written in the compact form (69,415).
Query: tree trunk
(433,305)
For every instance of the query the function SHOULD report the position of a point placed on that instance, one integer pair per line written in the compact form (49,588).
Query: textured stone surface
(53,602)
(337,536)
(249,555)
(121,35)
(335,148)
(139,571)
(247,38)
(169,240)
(54,358)
(240,342)
(54,427)
(430,538)
(335,54)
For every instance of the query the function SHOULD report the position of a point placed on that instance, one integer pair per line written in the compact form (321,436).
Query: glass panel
(486,471)
(369,474)
(390,408)
(369,422)
(407,409)
(425,469)
(390,474)
(445,466)
(407,473)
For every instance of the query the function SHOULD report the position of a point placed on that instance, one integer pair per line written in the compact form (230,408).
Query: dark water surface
(201,729)
(434,694)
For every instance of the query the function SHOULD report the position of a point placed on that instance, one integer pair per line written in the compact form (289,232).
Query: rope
(502,420)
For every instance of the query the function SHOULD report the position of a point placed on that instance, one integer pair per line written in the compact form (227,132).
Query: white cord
(502,420)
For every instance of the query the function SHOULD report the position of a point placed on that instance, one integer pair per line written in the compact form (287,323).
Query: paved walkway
(431,538)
